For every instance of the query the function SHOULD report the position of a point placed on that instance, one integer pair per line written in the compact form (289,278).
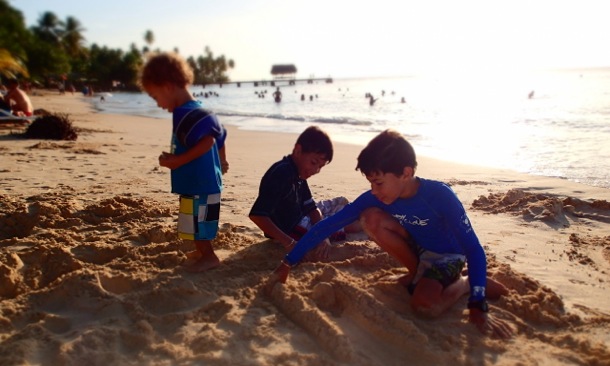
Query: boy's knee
(371,219)
(376,221)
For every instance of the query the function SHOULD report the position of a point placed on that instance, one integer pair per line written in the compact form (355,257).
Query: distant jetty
(282,74)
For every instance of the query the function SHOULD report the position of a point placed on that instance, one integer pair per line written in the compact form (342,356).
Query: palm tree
(72,37)
(9,66)
(14,39)
(149,38)
(49,27)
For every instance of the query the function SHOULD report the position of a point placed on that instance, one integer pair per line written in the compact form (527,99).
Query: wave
(329,120)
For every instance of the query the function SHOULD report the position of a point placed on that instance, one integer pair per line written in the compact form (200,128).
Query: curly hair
(164,68)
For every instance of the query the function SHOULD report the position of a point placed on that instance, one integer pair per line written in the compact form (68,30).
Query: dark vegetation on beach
(51,126)
(52,54)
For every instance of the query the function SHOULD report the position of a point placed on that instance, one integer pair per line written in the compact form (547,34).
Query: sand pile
(101,282)
(90,263)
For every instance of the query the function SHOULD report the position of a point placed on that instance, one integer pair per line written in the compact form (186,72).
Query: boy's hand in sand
(489,325)
(280,274)
(322,251)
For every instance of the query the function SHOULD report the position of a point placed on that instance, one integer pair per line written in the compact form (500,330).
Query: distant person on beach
(285,209)
(423,225)
(277,95)
(20,102)
(372,100)
(197,158)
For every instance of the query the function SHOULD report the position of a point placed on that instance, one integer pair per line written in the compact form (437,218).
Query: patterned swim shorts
(445,268)
(198,217)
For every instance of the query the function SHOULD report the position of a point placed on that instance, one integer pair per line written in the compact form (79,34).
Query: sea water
(551,123)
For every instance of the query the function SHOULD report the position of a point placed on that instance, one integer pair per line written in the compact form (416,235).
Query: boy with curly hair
(197,157)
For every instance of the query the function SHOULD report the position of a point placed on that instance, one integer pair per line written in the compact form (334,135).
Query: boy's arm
(315,216)
(477,272)
(268,227)
(459,224)
(224,164)
(322,230)
(173,161)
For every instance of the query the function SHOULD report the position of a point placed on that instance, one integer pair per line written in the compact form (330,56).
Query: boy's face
(388,187)
(308,164)
(162,95)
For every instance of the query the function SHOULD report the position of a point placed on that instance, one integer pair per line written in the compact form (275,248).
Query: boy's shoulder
(432,183)
(283,170)
(435,188)
(190,104)
(192,107)
(285,166)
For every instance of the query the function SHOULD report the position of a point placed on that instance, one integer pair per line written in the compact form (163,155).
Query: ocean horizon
(550,123)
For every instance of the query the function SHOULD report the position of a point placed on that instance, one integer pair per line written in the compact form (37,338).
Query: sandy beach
(90,262)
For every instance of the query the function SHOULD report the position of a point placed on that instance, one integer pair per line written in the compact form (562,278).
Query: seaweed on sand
(54,126)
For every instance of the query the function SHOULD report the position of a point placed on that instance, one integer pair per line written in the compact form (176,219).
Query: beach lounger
(6,118)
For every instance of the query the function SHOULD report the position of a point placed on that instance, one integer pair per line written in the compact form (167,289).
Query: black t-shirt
(283,196)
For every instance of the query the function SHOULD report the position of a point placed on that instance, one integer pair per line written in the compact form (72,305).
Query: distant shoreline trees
(53,54)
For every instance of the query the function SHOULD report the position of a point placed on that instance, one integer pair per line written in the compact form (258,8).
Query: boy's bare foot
(402,279)
(193,255)
(405,280)
(203,264)
(495,289)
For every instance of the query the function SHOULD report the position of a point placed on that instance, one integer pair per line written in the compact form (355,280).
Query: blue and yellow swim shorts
(198,216)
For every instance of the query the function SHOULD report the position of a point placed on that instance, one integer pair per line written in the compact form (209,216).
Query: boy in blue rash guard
(197,158)
(423,225)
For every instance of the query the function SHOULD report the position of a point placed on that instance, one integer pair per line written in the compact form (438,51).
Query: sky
(352,38)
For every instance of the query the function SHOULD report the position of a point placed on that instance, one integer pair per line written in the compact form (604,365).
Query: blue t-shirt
(202,175)
(434,217)
(283,196)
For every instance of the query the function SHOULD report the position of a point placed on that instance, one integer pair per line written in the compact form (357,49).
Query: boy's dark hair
(388,152)
(163,68)
(314,140)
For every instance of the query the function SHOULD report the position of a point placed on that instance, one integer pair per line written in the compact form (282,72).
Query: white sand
(90,263)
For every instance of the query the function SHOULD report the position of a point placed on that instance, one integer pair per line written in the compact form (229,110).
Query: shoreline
(99,228)
(579,173)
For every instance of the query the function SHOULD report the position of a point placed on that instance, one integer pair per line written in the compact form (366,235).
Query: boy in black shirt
(285,208)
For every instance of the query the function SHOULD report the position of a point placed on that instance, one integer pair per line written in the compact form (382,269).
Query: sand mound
(101,282)
(543,207)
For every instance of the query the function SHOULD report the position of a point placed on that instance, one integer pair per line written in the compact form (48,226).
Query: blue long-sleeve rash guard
(434,217)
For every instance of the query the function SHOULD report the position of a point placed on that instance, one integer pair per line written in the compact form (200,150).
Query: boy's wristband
(479,304)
